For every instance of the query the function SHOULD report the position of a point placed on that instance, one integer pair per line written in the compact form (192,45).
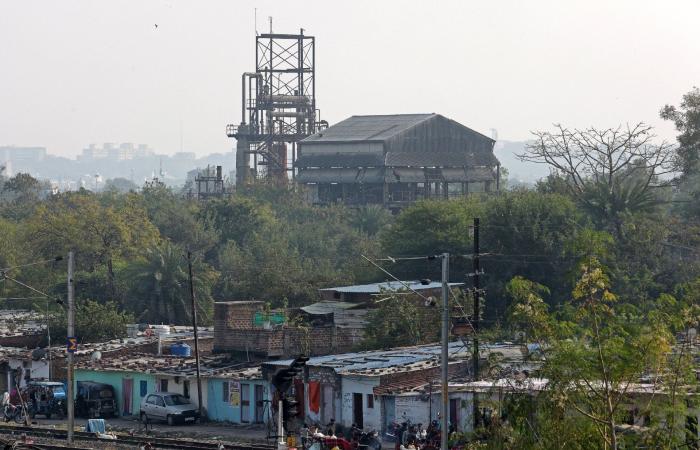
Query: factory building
(395,160)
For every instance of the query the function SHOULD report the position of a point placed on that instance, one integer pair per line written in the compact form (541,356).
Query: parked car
(168,407)
(46,398)
(95,400)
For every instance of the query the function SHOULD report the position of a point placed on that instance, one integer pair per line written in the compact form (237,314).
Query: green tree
(94,322)
(99,229)
(370,219)
(609,172)
(401,319)
(160,288)
(121,185)
(687,120)
(179,219)
(597,347)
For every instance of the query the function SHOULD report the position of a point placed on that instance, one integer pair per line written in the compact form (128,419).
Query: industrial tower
(278,107)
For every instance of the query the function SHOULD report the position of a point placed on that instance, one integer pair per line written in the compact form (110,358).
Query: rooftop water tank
(180,349)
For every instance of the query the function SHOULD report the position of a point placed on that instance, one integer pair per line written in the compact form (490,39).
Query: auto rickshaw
(46,398)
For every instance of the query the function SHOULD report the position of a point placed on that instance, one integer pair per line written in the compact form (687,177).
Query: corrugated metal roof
(376,288)
(327,307)
(381,362)
(368,128)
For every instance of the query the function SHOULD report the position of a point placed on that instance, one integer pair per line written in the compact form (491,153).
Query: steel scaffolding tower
(278,107)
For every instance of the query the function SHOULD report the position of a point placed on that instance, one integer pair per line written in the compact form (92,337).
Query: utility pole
(71,333)
(475,318)
(445,343)
(196,336)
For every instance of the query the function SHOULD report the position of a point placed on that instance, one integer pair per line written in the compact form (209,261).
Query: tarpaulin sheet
(314,396)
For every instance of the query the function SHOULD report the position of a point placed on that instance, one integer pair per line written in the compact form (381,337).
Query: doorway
(327,412)
(357,414)
(245,403)
(259,404)
(454,413)
(127,387)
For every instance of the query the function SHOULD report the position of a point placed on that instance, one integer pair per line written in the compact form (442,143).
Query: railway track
(122,439)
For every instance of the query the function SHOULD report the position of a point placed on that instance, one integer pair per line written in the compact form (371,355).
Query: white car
(168,407)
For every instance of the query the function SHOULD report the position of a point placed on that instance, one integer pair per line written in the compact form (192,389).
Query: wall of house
(176,385)
(418,409)
(221,409)
(37,369)
(360,385)
(114,378)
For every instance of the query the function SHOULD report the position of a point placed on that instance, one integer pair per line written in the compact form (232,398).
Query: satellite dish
(96,355)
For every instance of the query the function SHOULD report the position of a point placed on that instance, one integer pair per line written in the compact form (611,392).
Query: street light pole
(445,343)
(71,333)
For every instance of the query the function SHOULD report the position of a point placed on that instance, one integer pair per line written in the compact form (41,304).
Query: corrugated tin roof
(376,288)
(328,307)
(368,128)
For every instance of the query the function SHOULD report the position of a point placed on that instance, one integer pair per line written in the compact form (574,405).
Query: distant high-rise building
(113,152)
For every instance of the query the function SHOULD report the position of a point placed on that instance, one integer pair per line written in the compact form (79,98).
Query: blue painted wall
(115,379)
(220,409)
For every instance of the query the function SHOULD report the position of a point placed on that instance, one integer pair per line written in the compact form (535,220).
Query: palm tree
(162,286)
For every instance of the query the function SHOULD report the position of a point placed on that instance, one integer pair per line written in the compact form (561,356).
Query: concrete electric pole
(445,344)
(71,335)
(196,336)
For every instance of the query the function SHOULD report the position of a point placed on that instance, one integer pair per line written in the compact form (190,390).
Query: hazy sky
(76,72)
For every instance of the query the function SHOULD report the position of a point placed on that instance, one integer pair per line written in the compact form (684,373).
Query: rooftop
(211,367)
(403,359)
(376,288)
(20,322)
(368,128)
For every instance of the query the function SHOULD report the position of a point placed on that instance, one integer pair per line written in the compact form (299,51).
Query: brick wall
(30,341)
(418,376)
(234,332)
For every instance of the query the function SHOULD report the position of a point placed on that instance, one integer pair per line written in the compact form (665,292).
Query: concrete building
(247,330)
(349,387)
(394,160)
(230,392)
(366,293)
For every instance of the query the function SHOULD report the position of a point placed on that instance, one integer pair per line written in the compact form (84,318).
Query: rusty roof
(210,367)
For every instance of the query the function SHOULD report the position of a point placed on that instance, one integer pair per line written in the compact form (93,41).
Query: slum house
(419,401)
(493,394)
(342,386)
(154,340)
(248,330)
(369,293)
(18,365)
(230,392)
(21,328)
(395,160)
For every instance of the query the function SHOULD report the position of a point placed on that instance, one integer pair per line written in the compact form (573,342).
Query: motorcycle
(369,440)
(13,412)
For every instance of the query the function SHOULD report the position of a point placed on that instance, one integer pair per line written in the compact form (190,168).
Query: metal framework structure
(278,106)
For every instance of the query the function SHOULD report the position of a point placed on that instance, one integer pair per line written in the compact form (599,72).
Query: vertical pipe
(498,177)
(243,99)
(196,337)
(475,318)
(71,333)
(445,343)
